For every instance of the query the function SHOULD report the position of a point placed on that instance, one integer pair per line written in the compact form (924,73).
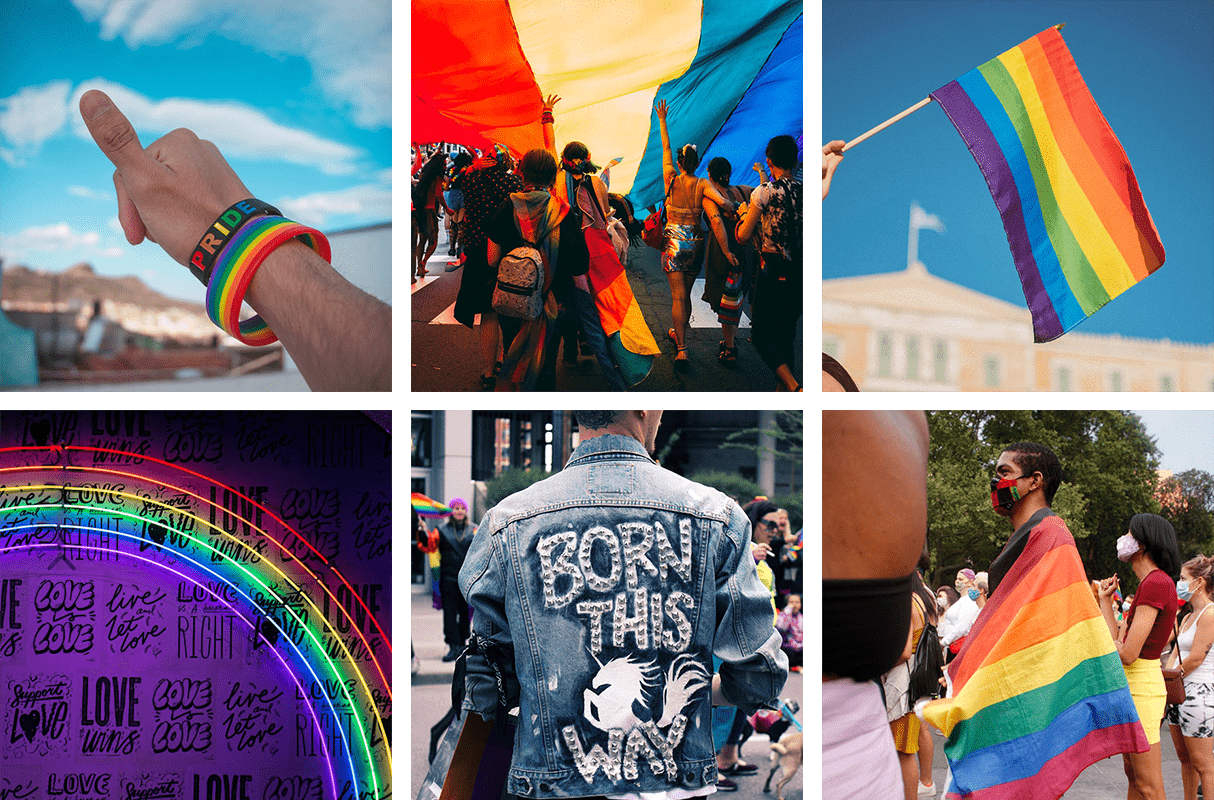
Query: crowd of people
(870,697)
(557,209)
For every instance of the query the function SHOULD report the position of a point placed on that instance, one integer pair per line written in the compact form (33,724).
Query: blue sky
(1186,438)
(295,93)
(1149,66)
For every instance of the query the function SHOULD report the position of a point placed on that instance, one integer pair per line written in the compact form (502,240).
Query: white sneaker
(927,791)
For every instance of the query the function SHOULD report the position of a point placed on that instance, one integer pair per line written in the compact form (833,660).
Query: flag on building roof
(1078,228)
(1039,692)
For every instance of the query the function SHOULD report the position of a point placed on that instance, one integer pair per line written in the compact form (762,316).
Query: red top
(1158,591)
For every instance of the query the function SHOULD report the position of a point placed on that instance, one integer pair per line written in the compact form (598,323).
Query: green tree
(788,431)
(511,481)
(1188,503)
(1108,475)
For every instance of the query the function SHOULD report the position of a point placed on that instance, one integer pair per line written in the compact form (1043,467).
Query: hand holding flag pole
(905,113)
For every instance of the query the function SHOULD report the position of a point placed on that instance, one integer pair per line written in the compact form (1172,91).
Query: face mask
(1183,591)
(1125,606)
(1127,546)
(1004,493)
(973,594)
(940,603)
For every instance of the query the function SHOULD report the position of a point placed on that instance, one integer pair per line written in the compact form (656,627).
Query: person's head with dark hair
(576,158)
(689,158)
(925,559)
(835,377)
(431,172)
(640,425)
(597,419)
(623,212)
(1034,458)
(782,152)
(764,519)
(538,168)
(720,170)
(948,595)
(1157,538)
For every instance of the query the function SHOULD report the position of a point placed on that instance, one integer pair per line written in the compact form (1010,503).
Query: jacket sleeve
(753,668)
(491,652)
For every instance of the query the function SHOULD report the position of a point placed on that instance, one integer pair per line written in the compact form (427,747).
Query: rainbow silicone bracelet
(239,261)
(202,260)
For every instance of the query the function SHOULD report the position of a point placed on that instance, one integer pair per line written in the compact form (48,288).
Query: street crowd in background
(556,209)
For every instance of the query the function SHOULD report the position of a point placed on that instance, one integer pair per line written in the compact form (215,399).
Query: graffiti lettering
(16,791)
(181,694)
(193,447)
(120,695)
(223,787)
(94,783)
(206,636)
(120,423)
(63,637)
(64,596)
(9,603)
(292,789)
(133,625)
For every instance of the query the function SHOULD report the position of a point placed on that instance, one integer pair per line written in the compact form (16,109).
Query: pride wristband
(202,260)
(239,260)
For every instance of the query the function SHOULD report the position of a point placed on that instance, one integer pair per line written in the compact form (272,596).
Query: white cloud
(89,194)
(348,44)
(372,203)
(49,239)
(113,252)
(238,130)
(30,117)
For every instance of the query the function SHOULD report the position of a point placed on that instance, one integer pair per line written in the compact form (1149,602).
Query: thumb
(112,131)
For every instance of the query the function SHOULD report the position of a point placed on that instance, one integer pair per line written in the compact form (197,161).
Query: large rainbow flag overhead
(1079,231)
(1039,692)
(730,71)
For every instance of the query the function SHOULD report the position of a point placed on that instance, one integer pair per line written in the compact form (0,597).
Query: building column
(766,472)
(456,457)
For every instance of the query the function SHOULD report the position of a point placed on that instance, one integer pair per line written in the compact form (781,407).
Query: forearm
(718,230)
(338,335)
(667,152)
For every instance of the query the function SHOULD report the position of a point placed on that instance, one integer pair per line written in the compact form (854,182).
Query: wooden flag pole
(905,113)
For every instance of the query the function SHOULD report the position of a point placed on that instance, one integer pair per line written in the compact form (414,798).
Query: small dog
(785,753)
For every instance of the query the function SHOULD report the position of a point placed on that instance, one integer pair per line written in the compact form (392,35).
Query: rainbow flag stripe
(629,339)
(1039,692)
(426,507)
(1079,231)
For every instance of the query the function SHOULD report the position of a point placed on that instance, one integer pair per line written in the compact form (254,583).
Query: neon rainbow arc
(158,516)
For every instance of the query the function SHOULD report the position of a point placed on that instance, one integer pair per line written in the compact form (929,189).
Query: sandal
(670,336)
(728,355)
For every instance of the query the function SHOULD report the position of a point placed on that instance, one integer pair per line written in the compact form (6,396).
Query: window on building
(990,371)
(1166,384)
(885,355)
(1064,379)
(940,362)
(420,441)
(1115,382)
(912,358)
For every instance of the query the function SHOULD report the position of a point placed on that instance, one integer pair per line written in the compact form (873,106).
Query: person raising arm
(170,192)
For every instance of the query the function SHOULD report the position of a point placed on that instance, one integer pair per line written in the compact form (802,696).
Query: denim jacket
(601,595)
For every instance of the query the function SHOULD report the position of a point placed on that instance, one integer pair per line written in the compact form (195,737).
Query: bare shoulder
(874,492)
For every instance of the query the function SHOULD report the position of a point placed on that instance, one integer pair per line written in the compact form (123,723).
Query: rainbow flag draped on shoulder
(1039,692)
(1079,231)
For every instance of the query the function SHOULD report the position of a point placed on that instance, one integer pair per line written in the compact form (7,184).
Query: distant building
(912,331)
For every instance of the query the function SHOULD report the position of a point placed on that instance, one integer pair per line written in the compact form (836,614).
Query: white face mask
(1127,546)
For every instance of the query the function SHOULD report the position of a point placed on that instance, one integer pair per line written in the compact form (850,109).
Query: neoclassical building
(912,331)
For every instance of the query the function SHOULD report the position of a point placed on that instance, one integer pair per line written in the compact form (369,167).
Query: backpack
(926,663)
(520,284)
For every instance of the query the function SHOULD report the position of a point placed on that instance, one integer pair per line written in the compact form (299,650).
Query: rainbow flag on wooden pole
(1039,692)
(1078,228)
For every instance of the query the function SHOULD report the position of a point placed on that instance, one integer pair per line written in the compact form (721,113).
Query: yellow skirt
(906,733)
(1150,696)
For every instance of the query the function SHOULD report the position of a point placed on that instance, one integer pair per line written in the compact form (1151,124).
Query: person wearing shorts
(1192,722)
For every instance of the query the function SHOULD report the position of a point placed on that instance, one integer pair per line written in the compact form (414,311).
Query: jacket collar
(608,443)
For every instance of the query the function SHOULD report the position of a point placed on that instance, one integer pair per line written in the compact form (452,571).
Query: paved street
(445,355)
(432,698)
